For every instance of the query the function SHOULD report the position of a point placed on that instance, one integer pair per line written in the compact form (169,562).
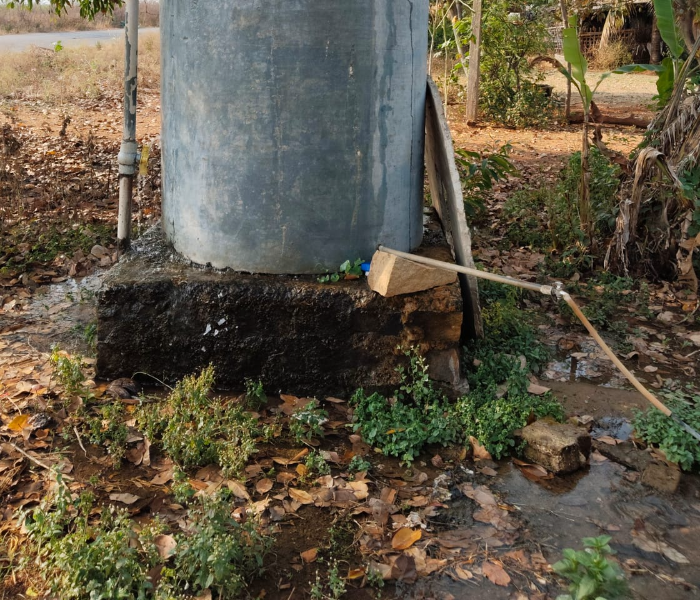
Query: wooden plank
(446,194)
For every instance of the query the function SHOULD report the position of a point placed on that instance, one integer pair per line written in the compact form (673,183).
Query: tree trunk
(565,21)
(474,64)
(655,46)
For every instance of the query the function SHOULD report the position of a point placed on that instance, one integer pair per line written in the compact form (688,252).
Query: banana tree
(577,77)
(669,70)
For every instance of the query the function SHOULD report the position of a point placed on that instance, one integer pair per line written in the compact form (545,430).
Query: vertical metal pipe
(128,153)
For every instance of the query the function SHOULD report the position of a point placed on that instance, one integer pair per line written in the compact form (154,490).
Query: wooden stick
(36,461)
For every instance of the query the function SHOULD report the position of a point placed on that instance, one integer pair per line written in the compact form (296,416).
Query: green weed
(78,559)
(419,416)
(196,430)
(332,589)
(675,442)
(590,574)
(358,464)
(69,372)
(109,430)
(307,422)
(348,270)
(217,552)
(255,397)
(316,466)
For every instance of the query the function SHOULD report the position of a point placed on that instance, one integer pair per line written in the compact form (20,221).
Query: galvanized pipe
(128,153)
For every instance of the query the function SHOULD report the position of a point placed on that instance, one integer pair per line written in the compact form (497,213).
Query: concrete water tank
(292,130)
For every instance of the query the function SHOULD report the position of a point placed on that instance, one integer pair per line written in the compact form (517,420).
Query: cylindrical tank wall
(293,130)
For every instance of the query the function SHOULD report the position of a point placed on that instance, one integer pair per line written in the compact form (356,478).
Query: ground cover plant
(674,441)
(591,573)
(197,430)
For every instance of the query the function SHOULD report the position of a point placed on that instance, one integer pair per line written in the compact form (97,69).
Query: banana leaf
(666,22)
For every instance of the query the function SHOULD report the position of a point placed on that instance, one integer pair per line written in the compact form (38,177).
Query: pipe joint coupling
(128,158)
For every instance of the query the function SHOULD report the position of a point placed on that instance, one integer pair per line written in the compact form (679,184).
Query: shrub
(196,430)
(614,54)
(675,442)
(216,552)
(418,415)
(78,560)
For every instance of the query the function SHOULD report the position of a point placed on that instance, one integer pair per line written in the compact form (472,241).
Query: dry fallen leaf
(480,452)
(166,545)
(495,573)
(405,538)
(309,555)
(301,496)
(124,498)
(263,486)
(18,423)
(238,489)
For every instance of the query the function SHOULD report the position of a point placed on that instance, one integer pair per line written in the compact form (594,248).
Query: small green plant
(478,173)
(675,442)
(109,430)
(255,397)
(307,422)
(57,46)
(78,560)
(316,465)
(348,270)
(419,415)
(69,372)
(196,430)
(358,464)
(590,573)
(333,588)
(217,552)
(182,490)
(498,402)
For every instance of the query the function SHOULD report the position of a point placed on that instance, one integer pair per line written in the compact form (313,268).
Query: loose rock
(558,447)
(390,275)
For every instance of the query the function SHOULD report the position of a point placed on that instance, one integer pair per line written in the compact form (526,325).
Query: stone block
(391,275)
(557,447)
(161,315)
(662,476)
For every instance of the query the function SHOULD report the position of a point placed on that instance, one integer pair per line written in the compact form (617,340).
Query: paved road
(22,41)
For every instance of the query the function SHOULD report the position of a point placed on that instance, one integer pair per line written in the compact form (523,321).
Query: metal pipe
(556,291)
(128,153)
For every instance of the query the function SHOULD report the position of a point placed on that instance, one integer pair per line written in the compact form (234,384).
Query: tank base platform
(162,315)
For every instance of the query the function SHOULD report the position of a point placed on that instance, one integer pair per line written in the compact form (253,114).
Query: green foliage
(107,560)
(307,422)
(348,270)
(182,490)
(216,552)
(605,299)
(675,442)
(255,396)
(478,172)
(498,402)
(506,327)
(589,572)
(88,8)
(196,430)
(109,430)
(525,214)
(316,465)
(358,464)
(332,589)
(69,372)
(558,207)
(418,415)
(508,90)
(88,333)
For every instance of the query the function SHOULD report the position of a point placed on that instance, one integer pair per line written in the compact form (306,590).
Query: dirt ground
(489,529)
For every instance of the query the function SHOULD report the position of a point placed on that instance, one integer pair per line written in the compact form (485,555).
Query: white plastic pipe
(128,153)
